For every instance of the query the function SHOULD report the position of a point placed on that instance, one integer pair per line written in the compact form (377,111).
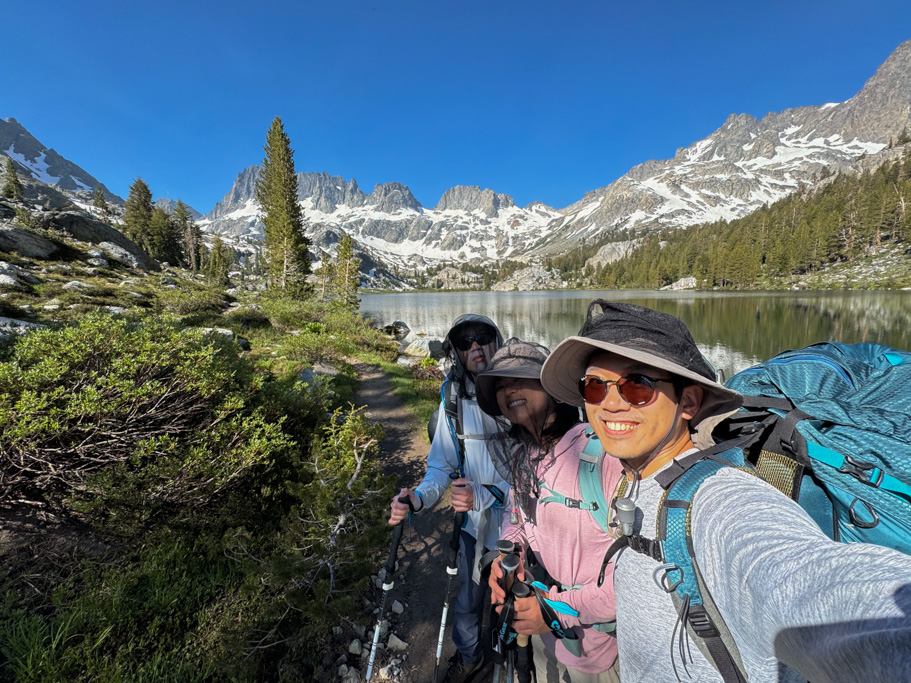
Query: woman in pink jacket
(553,520)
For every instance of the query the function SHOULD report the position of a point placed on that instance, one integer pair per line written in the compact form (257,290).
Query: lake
(734,330)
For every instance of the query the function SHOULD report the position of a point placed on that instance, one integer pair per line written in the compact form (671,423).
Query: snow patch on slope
(38,167)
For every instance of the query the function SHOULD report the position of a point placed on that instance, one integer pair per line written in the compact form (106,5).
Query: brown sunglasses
(635,389)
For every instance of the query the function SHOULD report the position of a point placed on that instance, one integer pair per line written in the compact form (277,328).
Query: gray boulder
(322,368)
(398,330)
(18,273)
(26,243)
(223,331)
(7,280)
(396,644)
(85,228)
(425,347)
(123,256)
(435,346)
(419,348)
(682,283)
(10,327)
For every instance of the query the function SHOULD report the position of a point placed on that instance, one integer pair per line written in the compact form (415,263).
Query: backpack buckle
(859,468)
(572,503)
(701,623)
(663,581)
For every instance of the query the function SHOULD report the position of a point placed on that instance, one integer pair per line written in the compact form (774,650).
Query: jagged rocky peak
(242,191)
(473,198)
(170,204)
(34,160)
(883,107)
(329,192)
(392,197)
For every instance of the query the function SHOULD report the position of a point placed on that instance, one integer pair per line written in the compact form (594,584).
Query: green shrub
(110,412)
(218,524)
(327,542)
(191,300)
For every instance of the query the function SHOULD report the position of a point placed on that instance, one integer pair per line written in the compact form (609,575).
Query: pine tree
(137,214)
(347,276)
(219,263)
(189,233)
(13,188)
(99,202)
(163,237)
(276,191)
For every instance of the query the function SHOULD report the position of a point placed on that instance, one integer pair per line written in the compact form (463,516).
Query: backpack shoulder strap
(450,398)
(591,491)
(590,485)
(694,604)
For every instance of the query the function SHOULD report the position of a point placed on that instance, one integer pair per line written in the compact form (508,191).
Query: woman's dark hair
(530,456)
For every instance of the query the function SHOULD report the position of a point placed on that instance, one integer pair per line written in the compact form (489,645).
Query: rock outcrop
(85,228)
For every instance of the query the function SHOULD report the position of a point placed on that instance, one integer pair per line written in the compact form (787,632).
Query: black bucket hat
(650,337)
(516,358)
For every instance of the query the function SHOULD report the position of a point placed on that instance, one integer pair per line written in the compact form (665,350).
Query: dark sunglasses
(635,389)
(464,343)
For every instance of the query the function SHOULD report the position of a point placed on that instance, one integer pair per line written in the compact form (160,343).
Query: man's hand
(399,511)
(462,495)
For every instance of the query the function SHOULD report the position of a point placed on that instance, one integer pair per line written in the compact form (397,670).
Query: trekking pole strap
(550,611)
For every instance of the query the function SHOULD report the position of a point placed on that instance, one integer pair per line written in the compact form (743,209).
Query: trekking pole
(388,583)
(452,570)
(509,564)
(521,590)
(505,548)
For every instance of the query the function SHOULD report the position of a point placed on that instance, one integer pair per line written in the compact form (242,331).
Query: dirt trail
(420,583)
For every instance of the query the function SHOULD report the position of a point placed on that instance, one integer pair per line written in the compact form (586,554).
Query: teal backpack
(830,427)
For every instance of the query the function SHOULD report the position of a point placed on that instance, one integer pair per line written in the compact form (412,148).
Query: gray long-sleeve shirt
(798,605)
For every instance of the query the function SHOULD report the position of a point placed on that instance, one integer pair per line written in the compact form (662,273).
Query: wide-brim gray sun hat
(641,334)
(516,358)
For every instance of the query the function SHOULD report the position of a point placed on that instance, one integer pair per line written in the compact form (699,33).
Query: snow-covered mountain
(170,204)
(742,166)
(747,163)
(34,160)
(467,224)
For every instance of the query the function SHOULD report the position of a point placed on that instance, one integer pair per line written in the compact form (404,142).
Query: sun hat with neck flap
(515,358)
(643,335)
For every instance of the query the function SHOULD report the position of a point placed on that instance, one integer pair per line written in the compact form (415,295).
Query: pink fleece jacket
(571,545)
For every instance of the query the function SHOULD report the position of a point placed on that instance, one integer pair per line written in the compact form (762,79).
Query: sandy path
(420,583)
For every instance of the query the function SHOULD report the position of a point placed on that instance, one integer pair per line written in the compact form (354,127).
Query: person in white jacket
(464,442)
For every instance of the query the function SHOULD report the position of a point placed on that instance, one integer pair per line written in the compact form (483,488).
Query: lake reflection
(734,330)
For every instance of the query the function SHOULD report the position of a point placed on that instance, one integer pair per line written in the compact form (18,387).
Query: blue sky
(540,100)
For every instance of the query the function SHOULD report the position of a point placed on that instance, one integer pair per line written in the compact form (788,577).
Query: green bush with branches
(213,520)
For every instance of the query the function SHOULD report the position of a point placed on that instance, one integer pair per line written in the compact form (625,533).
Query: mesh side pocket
(780,471)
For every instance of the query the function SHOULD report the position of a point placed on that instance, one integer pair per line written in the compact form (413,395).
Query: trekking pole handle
(396,539)
(505,547)
(509,565)
(455,474)
(521,590)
